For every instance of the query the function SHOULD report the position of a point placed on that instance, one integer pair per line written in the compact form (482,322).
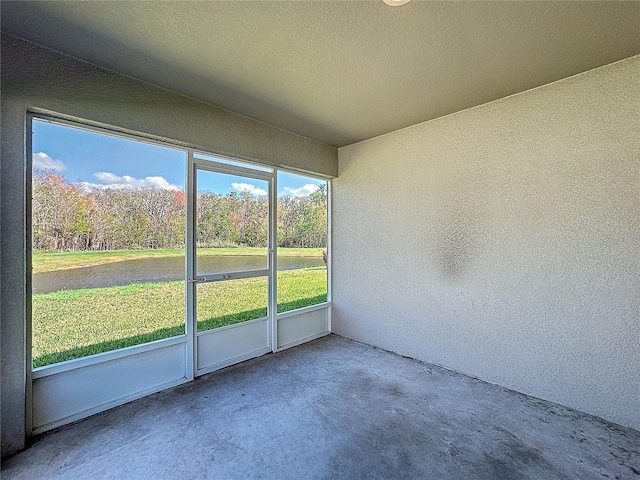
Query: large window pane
(108,218)
(232,222)
(302,241)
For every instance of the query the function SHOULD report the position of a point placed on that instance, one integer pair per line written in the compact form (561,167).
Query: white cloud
(111,180)
(42,161)
(303,191)
(247,187)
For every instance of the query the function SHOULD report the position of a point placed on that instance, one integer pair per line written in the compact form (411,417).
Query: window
(108,240)
(109,217)
(302,241)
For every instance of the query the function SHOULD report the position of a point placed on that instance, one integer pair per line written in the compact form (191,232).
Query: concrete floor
(334,408)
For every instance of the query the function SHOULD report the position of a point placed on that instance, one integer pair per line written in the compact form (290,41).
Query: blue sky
(99,160)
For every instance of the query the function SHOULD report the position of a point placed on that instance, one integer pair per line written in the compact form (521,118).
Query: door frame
(268,174)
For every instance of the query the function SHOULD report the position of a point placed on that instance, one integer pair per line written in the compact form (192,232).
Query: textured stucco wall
(504,242)
(34,77)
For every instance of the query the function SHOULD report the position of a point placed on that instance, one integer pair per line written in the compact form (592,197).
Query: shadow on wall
(457,230)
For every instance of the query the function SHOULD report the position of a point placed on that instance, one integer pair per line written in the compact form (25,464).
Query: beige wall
(37,78)
(504,242)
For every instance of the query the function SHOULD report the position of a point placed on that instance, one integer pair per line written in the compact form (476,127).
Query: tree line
(68,217)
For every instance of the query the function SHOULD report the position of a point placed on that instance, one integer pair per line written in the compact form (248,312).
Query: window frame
(87,125)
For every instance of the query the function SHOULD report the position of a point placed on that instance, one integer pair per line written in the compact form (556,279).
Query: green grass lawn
(48,262)
(76,323)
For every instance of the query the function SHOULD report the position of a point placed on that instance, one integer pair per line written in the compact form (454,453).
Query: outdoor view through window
(108,243)
(108,230)
(302,242)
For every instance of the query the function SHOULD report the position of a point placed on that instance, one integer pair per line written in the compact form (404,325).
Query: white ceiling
(338,72)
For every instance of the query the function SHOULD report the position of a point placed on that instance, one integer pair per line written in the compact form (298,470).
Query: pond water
(159,269)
